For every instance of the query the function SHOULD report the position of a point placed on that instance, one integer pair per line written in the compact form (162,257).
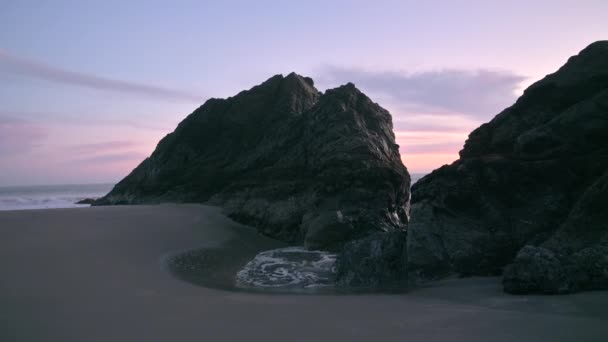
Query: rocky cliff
(299,165)
(528,195)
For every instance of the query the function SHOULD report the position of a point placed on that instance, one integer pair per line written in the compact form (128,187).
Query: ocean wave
(21,203)
(49,197)
(289,268)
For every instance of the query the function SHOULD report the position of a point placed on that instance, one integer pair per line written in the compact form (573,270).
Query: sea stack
(529,194)
(301,166)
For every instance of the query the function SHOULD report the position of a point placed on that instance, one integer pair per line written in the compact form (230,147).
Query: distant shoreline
(49,196)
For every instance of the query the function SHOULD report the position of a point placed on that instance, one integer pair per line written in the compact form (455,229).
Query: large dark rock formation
(575,257)
(378,261)
(529,189)
(299,165)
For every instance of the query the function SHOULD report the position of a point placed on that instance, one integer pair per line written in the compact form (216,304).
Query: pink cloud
(18,136)
(424,151)
(112,158)
(477,93)
(441,148)
(426,162)
(105,147)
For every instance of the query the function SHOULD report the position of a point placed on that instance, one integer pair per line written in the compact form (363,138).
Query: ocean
(62,196)
(49,196)
(416,177)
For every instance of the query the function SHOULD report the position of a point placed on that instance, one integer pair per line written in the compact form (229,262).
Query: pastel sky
(87,88)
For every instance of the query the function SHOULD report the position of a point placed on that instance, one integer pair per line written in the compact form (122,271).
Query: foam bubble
(290,268)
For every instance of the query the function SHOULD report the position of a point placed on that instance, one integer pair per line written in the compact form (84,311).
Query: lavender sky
(87,88)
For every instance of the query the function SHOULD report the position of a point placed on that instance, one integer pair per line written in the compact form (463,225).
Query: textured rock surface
(377,261)
(299,165)
(530,177)
(577,251)
(537,269)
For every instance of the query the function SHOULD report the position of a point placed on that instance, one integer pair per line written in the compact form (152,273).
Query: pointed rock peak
(272,82)
(348,88)
(278,86)
(292,83)
(296,94)
(291,80)
(297,83)
(348,97)
(299,78)
(347,92)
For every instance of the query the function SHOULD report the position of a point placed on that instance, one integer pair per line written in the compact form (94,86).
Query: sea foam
(288,268)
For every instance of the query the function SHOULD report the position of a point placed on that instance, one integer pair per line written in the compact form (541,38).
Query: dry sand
(95,274)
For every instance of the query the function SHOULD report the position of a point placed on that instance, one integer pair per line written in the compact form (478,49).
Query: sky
(87,88)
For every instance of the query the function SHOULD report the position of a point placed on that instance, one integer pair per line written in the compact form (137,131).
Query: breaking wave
(49,196)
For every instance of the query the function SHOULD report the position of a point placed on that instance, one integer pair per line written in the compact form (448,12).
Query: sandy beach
(97,274)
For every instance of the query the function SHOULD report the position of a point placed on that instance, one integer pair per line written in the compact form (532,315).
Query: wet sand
(98,274)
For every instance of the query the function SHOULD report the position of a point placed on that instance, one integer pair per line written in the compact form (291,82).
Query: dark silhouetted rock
(537,269)
(375,262)
(574,258)
(534,176)
(299,165)
(86,201)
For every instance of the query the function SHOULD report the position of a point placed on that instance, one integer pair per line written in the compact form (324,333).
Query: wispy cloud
(106,152)
(434,148)
(130,156)
(106,146)
(434,123)
(19,136)
(476,93)
(86,120)
(30,68)
(127,123)
(431,137)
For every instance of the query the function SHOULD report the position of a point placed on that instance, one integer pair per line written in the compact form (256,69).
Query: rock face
(378,261)
(574,258)
(299,165)
(529,190)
